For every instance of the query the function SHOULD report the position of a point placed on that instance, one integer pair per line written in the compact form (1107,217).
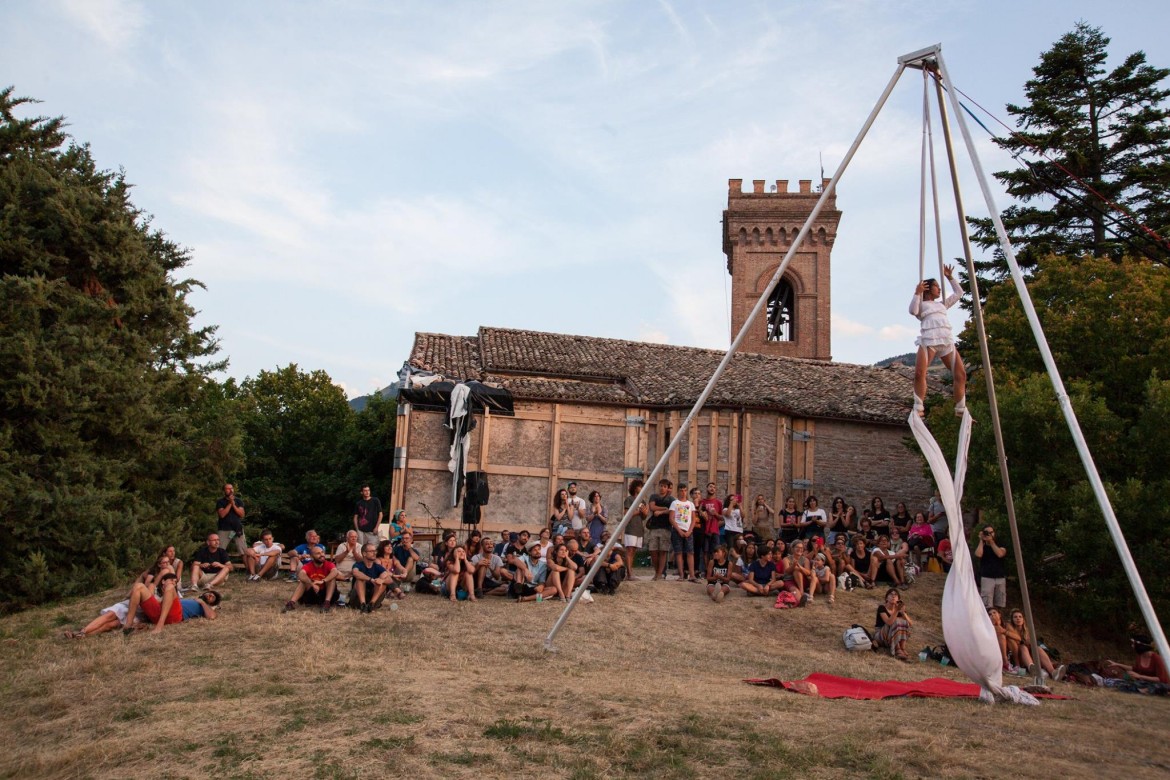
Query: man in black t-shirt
(658,528)
(210,562)
(992,569)
(229,512)
(367,515)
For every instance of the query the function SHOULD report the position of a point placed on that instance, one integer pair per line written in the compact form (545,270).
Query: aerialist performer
(936,338)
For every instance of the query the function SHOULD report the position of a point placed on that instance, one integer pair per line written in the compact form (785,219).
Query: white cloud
(116,23)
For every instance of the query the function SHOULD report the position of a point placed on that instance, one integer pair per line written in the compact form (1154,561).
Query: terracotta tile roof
(553,366)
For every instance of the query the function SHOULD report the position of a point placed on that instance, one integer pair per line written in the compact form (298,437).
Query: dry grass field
(644,684)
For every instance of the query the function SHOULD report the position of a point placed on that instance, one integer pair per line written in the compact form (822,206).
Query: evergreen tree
(101,459)
(1108,325)
(296,428)
(1109,128)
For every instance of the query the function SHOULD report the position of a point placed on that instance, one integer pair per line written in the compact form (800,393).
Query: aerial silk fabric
(968,632)
(830,686)
(459,421)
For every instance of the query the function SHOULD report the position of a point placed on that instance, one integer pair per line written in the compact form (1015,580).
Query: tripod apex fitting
(922,59)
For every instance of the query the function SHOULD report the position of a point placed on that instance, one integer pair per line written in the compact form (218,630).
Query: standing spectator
(210,562)
(711,510)
(558,521)
(992,569)
(840,521)
(230,519)
(700,533)
(578,509)
(598,517)
(262,559)
(879,517)
(658,528)
(901,520)
(635,529)
(367,516)
(789,522)
(814,520)
(316,582)
(936,513)
(682,540)
(762,515)
(732,520)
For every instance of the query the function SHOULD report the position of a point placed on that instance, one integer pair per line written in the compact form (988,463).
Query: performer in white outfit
(936,338)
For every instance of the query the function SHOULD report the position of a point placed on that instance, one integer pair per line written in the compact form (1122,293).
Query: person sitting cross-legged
(210,563)
(762,579)
(823,578)
(316,583)
(372,582)
(491,576)
(262,559)
(304,554)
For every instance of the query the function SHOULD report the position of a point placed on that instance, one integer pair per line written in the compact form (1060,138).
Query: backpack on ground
(857,638)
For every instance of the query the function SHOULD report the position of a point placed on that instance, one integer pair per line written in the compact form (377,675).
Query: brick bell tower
(758,229)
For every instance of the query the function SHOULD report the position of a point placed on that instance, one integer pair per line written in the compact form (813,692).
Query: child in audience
(823,578)
(718,574)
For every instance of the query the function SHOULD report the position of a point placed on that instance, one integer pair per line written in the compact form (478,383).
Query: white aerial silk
(968,632)
(458,419)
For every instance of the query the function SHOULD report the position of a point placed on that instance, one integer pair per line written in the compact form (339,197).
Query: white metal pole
(652,478)
(1135,580)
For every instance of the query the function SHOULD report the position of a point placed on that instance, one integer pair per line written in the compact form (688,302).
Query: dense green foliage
(1108,325)
(110,437)
(308,452)
(1111,128)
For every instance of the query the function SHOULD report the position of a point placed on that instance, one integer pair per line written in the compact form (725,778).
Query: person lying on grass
(170,608)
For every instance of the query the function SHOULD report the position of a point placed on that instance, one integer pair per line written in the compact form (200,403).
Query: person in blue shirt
(371,581)
(761,576)
(304,553)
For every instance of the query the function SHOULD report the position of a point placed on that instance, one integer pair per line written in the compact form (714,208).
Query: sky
(345,174)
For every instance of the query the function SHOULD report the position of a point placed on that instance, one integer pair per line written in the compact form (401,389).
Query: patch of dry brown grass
(645,684)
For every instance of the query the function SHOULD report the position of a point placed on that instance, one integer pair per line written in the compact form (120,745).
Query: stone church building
(783,420)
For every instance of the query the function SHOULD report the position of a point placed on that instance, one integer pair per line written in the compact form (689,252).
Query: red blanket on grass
(832,687)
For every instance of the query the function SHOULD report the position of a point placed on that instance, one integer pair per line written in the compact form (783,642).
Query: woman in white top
(732,521)
(936,338)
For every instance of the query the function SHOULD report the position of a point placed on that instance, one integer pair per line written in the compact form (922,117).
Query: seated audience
(823,578)
(458,574)
(860,561)
(262,559)
(372,582)
(316,582)
(612,572)
(491,576)
(838,555)
(718,574)
(562,574)
(884,564)
(901,520)
(921,538)
(1148,665)
(1020,649)
(170,608)
(304,554)
(892,625)
(761,579)
(210,564)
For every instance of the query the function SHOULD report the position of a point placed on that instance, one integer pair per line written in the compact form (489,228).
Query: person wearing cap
(612,572)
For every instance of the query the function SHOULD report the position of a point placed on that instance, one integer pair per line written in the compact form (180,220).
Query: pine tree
(103,459)
(1109,128)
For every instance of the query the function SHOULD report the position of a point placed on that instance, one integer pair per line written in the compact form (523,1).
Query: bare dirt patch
(644,684)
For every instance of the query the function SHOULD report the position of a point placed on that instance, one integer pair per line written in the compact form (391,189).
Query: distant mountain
(907,359)
(359,404)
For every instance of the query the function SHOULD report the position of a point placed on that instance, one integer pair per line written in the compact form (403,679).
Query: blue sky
(348,173)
